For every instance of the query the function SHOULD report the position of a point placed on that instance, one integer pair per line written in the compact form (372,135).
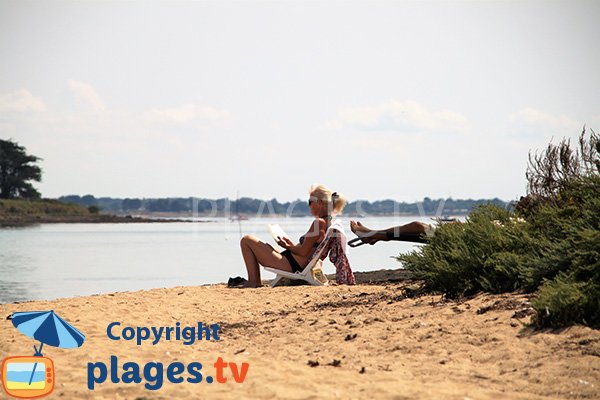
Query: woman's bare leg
(372,236)
(257,253)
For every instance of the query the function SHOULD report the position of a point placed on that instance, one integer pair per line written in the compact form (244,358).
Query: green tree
(131,204)
(17,168)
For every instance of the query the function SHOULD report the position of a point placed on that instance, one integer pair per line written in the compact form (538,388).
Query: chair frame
(307,273)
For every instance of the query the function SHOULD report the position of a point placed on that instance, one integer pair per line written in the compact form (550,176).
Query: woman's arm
(314,235)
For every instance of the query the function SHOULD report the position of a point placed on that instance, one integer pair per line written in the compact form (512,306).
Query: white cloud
(21,101)
(103,123)
(86,96)
(186,113)
(105,128)
(399,116)
(532,121)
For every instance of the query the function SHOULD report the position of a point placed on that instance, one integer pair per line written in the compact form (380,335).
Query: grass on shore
(43,207)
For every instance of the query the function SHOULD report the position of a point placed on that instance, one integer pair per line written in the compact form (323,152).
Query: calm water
(65,260)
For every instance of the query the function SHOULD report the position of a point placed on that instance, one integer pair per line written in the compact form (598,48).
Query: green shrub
(481,254)
(573,295)
(565,301)
(551,243)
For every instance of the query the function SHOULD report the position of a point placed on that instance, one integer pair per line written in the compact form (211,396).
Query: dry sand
(370,341)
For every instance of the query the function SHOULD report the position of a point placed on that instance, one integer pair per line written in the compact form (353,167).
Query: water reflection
(16,271)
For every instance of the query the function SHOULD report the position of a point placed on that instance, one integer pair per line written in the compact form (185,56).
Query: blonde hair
(335,201)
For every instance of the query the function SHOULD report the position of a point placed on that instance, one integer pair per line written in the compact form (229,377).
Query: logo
(29,377)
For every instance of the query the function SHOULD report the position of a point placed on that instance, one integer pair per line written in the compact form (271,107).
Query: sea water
(49,261)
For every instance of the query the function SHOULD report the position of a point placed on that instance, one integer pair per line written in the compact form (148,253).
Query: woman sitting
(323,205)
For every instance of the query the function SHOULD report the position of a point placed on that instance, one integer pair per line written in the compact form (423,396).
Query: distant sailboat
(237,216)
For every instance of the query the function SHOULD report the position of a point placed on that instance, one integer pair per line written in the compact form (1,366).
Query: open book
(276,231)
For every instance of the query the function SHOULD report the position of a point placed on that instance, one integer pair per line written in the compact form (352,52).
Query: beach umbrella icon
(48,328)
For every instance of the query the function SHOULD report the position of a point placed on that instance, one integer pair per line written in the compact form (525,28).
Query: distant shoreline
(19,213)
(245,206)
(93,219)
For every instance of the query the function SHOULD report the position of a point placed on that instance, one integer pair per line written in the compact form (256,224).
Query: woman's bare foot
(365,234)
(358,228)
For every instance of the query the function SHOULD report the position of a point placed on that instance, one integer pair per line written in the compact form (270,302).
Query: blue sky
(375,99)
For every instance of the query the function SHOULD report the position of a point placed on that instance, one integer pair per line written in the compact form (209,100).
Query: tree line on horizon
(18,169)
(251,206)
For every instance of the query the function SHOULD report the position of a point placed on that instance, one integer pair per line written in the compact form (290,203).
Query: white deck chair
(313,272)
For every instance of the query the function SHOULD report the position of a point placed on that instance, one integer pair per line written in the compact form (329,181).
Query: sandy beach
(364,341)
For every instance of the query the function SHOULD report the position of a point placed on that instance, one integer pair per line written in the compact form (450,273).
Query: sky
(375,99)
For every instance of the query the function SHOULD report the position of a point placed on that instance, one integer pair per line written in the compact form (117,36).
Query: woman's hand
(284,242)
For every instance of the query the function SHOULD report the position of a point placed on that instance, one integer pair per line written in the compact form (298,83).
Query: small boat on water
(446,219)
